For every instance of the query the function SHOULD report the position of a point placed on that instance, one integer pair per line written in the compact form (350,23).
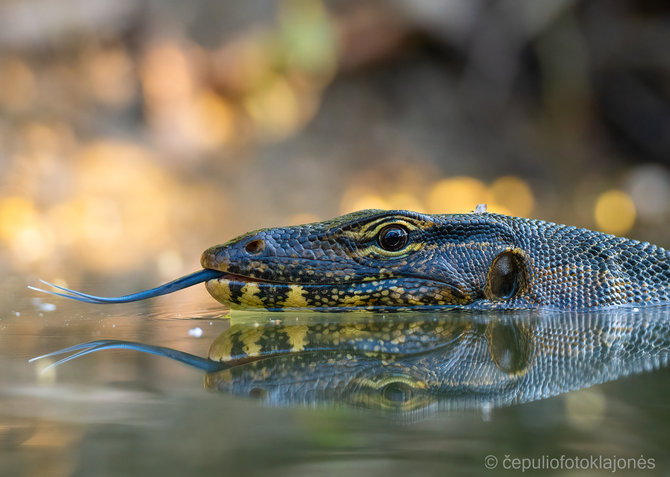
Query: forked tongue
(170,287)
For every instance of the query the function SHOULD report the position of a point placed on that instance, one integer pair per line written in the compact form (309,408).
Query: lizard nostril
(255,246)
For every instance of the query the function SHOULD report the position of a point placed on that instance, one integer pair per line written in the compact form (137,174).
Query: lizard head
(373,260)
(399,260)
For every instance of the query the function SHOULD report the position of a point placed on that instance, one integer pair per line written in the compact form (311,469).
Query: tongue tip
(170,287)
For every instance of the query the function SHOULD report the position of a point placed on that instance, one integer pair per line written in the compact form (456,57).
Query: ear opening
(507,275)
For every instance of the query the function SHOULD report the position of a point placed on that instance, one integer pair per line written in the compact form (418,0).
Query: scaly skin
(419,361)
(423,361)
(448,262)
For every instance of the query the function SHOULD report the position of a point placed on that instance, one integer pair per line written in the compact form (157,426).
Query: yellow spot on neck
(250,297)
(295,297)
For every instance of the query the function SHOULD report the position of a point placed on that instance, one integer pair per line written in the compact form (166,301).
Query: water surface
(121,411)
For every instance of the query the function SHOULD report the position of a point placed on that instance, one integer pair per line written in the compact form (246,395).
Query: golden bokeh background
(136,134)
(133,138)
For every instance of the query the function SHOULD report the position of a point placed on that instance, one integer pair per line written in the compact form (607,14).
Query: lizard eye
(393,238)
(506,276)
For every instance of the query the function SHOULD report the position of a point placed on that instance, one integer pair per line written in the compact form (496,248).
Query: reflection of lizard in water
(425,361)
(399,260)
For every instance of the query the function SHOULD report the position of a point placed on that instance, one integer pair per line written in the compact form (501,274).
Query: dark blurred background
(134,134)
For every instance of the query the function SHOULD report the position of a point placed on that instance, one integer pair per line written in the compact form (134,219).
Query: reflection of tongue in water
(424,361)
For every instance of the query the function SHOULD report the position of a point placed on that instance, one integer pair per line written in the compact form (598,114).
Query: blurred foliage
(135,134)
